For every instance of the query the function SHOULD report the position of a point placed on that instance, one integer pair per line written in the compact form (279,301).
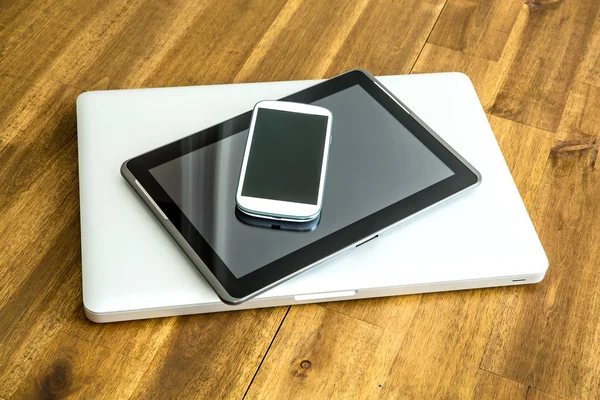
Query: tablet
(385,165)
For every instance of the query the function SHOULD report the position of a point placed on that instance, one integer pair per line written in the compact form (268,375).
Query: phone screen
(286,156)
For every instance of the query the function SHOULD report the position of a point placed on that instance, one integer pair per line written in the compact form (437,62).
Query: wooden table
(536,67)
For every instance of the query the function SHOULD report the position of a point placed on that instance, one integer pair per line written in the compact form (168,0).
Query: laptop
(485,238)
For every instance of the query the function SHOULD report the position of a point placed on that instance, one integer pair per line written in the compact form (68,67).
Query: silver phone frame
(278,209)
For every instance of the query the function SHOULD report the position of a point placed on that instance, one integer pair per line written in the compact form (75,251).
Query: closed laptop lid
(484,235)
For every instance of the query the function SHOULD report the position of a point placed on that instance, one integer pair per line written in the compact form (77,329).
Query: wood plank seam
(65,331)
(501,376)
(529,387)
(520,123)
(33,82)
(8,75)
(350,315)
(264,43)
(336,45)
(383,326)
(267,351)
(427,39)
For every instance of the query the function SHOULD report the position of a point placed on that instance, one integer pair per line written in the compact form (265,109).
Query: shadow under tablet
(278,225)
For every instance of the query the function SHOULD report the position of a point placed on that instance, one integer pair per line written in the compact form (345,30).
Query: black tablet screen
(374,162)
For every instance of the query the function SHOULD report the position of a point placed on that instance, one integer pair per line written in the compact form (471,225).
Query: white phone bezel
(277,209)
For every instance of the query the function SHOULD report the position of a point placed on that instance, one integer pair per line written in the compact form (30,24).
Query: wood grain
(487,75)
(548,338)
(388,37)
(421,359)
(315,36)
(492,386)
(71,367)
(589,69)
(480,28)
(581,120)
(536,68)
(539,80)
(522,142)
(211,356)
(317,353)
(380,311)
(557,325)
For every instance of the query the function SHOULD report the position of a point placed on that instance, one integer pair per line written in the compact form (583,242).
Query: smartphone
(285,162)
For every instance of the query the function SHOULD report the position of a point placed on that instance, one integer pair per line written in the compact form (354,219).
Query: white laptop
(483,238)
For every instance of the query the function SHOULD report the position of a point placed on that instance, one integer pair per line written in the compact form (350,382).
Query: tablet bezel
(234,290)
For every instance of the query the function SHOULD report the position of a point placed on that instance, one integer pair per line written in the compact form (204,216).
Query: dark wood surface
(536,68)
